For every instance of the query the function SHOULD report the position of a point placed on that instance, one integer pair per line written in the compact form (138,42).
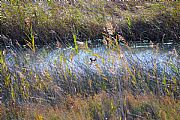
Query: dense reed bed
(67,83)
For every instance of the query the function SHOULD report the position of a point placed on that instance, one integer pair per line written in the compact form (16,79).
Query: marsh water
(105,60)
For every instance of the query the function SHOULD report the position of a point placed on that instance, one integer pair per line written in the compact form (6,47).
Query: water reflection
(108,61)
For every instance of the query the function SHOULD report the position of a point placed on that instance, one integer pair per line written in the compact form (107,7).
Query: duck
(92,60)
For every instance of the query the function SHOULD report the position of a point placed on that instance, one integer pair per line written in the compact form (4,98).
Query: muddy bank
(48,22)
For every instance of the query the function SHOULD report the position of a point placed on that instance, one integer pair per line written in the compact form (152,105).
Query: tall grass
(47,83)
(151,21)
(57,80)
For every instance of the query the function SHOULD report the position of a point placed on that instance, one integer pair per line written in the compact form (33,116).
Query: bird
(93,60)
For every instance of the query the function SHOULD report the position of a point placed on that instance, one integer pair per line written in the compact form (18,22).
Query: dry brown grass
(80,108)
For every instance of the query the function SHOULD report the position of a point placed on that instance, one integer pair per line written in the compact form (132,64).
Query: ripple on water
(107,60)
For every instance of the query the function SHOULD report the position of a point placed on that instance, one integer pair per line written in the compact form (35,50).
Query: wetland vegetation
(90,59)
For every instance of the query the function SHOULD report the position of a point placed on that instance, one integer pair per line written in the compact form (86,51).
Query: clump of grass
(150,107)
(102,106)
